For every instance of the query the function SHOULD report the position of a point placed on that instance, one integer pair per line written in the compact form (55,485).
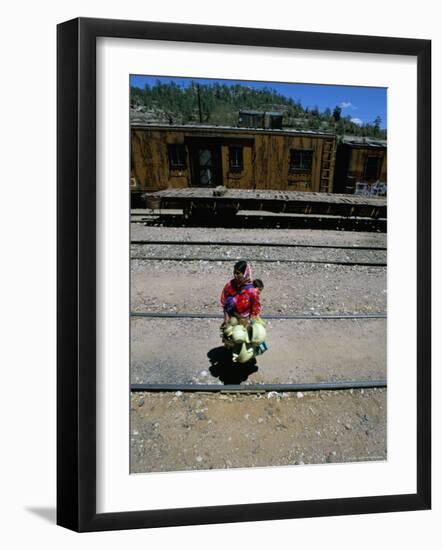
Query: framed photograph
(243,279)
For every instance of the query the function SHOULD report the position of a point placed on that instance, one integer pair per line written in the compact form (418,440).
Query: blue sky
(362,104)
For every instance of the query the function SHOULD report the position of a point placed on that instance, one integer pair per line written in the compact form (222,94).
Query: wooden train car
(360,162)
(173,157)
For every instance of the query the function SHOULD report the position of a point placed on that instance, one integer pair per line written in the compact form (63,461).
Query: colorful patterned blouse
(244,301)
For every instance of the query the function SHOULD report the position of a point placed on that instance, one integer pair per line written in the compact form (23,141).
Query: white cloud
(357,121)
(347,105)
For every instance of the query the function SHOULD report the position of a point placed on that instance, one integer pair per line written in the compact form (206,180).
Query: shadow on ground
(268,222)
(48,514)
(226,370)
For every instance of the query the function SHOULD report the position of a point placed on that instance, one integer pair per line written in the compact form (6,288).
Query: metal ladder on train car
(327,166)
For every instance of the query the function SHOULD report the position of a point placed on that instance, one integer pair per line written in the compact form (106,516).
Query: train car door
(206,165)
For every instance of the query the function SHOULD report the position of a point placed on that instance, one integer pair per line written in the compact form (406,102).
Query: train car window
(236,162)
(372,167)
(177,156)
(300,160)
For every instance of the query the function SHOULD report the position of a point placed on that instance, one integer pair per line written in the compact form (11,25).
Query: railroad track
(250,388)
(294,316)
(261,388)
(162,250)
(265,387)
(158,254)
(256,260)
(255,244)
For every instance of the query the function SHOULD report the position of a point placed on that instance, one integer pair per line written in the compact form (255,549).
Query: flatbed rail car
(202,201)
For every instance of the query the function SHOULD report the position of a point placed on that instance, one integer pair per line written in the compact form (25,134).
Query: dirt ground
(200,431)
(190,351)
(288,288)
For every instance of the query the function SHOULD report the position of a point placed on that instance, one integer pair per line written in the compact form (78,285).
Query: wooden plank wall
(358,159)
(243,179)
(272,157)
(266,163)
(150,161)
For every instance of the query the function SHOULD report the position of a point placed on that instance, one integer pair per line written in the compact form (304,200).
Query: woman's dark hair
(257,283)
(240,266)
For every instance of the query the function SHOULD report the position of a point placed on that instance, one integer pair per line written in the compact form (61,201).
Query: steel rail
(260,388)
(296,317)
(256,260)
(263,244)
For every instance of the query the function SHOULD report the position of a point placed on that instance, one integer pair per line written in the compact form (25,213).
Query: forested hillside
(219,104)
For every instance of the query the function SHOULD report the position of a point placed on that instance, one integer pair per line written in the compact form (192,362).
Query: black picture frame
(76,274)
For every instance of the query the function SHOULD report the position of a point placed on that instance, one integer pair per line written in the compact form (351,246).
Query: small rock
(299,394)
(347,426)
(272,394)
(199,458)
(178,393)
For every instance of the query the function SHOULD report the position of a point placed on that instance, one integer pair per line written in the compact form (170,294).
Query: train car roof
(359,141)
(251,112)
(236,129)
